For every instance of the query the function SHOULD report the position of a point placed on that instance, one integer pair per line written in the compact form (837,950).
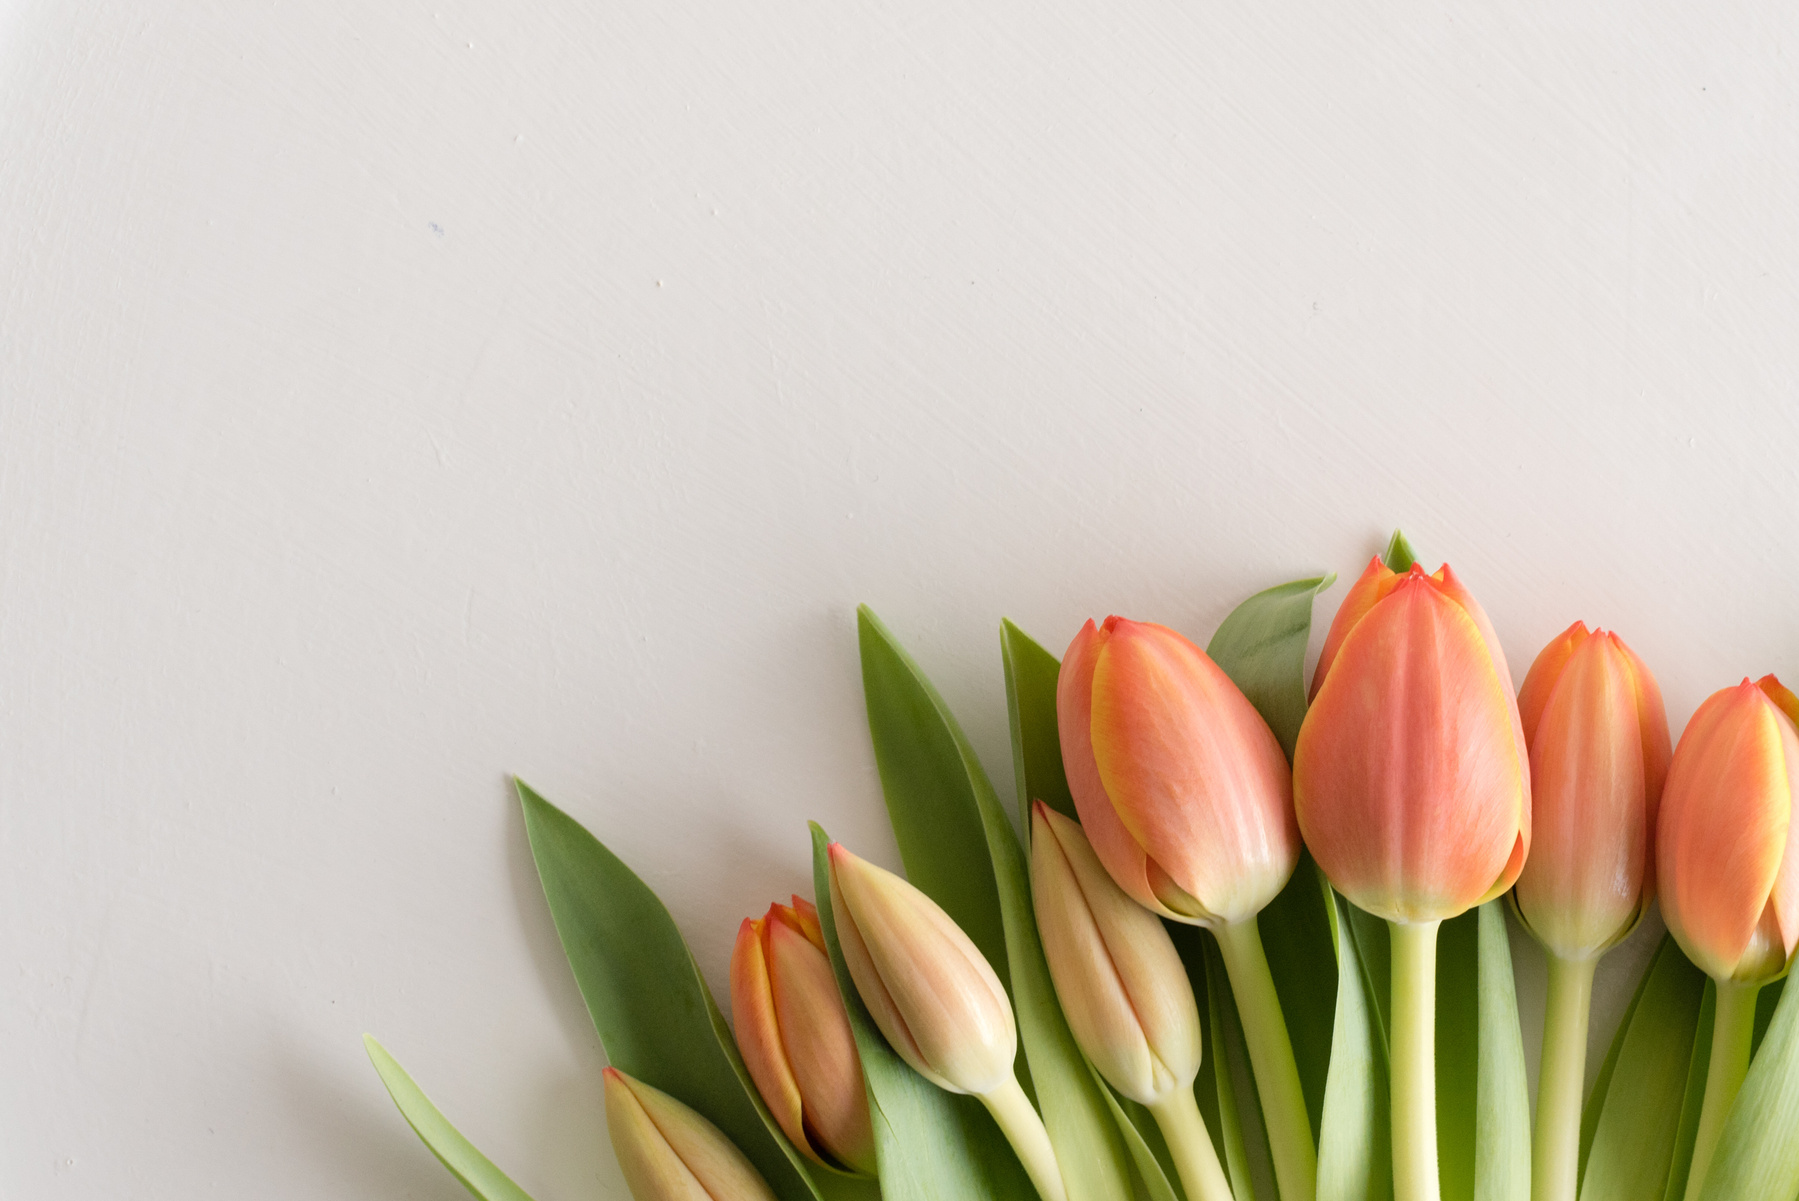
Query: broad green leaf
(652,1008)
(1483,1100)
(1031,674)
(1681,1160)
(1589,1116)
(1637,1101)
(477,1172)
(1399,555)
(1354,1158)
(1758,1153)
(930,1145)
(1767,1002)
(961,850)
(1261,645)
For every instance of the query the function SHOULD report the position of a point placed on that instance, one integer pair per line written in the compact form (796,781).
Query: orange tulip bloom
(1410,774)
(1599,750)
(1726,858)
(1180,784)
(795,1036)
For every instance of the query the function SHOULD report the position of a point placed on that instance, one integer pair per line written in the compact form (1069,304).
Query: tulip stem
(1195,1158)
(1414,1061)
(1733,1028)
(1024,1130)
(1561,1079)
(1271,1056)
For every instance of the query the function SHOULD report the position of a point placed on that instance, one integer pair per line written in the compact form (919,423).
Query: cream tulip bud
(1122,985)
(670,1153)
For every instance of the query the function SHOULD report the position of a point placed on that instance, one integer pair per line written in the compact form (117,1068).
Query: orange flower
(1726,859)
(670,1153)
(1410,774)
(1599,750)
(795,1036)
(1180,784)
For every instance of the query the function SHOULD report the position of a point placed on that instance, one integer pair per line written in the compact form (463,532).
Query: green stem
(1733,1027)
(1561,1080)
(1414,1061)
(1195,1158)
(1024,1130)
(1271,1056)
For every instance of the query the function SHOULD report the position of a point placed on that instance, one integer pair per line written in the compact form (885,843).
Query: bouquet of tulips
(1252,942)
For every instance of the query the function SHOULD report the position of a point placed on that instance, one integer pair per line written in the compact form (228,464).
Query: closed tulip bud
(938,1001)
(1410,774)
(1121,983)
(1180,784)
(670,1153)
(1599,750)
(1124,991)
(795,1036)
(1727,864)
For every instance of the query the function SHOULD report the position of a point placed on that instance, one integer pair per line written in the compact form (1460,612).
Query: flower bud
(1122,985)
(1599,750)
(929,989)
(670,1153)
(1180,784)
(1410,774)
(795,1036)
(1726,861)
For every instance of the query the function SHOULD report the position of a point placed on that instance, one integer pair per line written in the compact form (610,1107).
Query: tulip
(937,1000)
(795,1036)
(1728,870)
(1598,738)
(1124,991)
(670,1153)
(1411,787)
(1187,798)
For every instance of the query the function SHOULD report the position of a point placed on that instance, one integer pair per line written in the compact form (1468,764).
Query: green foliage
(477,1172)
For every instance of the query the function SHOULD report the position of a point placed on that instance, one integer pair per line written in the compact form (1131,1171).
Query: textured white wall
(394,396)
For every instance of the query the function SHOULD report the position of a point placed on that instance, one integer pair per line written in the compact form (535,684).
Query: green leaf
(1031,674)
(1636,1106)
(1399,554)
(1261,646)
(1354,1160)
(1681,1160)
(929,1144)
(1758,1155)
(477,1172)
(961,850)
(652,1008)
(1483,1100)
(1589,1116)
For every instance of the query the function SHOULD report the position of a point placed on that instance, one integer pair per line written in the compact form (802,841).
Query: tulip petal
(1408,777)
(652,1170)
(718,1166)
(820,1048)
(867,977)
(1725,821)
(1195,775)
(1124,859)
(1658,749)
(1540,680)
(757,1027)
(1375,583)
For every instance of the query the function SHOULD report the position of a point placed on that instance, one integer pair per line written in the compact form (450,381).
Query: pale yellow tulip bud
(670,1153)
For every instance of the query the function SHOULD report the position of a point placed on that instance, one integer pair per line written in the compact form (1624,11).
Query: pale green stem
(1195,1158)
(1733,1027)
(1024,1130)
(1561,1080)
(1271,1056)
(1414,1061)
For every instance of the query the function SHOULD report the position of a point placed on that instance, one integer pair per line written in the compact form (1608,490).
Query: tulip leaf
(1031,675)
(1635,1111)
(1483,1098)
(1354,1161)
(1681,1161)
(1758,1155)
(653,1011)
(1399,555)
(961,850)
(476,1172)
(1261,645)
(929,1144)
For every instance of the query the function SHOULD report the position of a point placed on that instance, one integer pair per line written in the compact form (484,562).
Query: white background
(395,396)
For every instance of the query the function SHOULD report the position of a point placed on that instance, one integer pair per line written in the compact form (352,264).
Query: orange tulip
(795,1036)
(1409,775)
(1599,750)
(670,1153)
(1180,784)
(1726,857)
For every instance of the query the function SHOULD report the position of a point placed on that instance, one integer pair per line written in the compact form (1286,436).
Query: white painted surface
(392,397)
